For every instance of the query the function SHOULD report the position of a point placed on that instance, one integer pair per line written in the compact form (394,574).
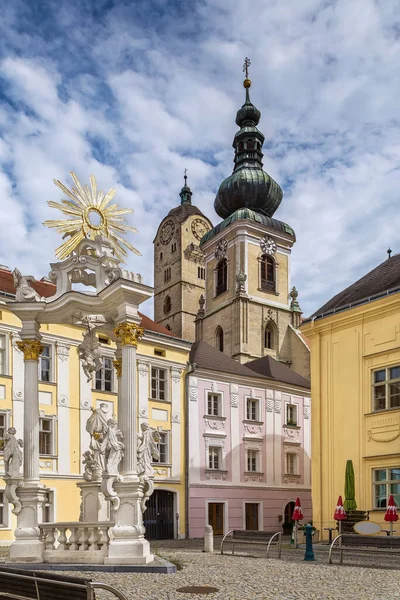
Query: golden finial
(246,64)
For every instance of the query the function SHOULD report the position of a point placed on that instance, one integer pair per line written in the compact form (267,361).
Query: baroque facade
(355,375)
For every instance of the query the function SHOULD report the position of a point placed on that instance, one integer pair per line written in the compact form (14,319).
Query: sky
(134,91)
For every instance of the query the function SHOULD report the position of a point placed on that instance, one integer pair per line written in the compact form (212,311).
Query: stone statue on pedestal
(146,452)
(114,451)
(94,460)
(12,467)
(24,292)
(90,349)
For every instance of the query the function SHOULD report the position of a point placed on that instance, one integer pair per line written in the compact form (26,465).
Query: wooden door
(252,516)
(216,517)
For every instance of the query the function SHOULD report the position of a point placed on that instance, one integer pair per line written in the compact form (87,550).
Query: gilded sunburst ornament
(90,214)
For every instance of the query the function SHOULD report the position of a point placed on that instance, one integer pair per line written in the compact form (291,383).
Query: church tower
(179,272)
(250,310)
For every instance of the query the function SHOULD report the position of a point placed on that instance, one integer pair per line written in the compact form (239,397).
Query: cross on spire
(246,64)
(185,176)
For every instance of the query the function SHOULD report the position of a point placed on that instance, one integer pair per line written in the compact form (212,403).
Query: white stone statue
(24,292)
(89,464)
(90,349)
(97,426)
(12,468)
(114,451)
(147,451)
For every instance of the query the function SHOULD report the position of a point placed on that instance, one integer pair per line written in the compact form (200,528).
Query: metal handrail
(279,534)
(331,548)
(232,541)
(223,540)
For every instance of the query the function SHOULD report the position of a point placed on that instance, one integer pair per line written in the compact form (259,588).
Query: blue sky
(135,91)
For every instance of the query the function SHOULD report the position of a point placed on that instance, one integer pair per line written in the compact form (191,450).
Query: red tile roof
(47,289)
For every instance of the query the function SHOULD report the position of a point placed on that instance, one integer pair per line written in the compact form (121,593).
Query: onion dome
(186,192)
(248,186)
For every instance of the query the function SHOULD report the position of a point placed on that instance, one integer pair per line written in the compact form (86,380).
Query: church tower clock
(179,271)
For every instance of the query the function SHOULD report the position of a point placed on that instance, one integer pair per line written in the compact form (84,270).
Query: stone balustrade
(76,542)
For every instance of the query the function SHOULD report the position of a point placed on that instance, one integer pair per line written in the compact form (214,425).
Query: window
(267,273)
(167,274)
(104,376)
(268,336)
(386,482)
(3,509)
(386,388)
(214,458)
(252,460)
(201,273)
(252,409)
(167,304)
(48,507)
(158,383)
(214,407)
(222,277)
(163,449)
(291,464)
(45,436)
(45,364)
(173,247)
(3,429)
(219,339)
(291,414)
(103,339)
(3,366)
(161,255)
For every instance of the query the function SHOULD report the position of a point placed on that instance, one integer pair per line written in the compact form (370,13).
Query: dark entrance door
(288,523)
(252,516)
(159,516)
(216,517)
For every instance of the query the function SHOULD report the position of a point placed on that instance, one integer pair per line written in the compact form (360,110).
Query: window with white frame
(252,409)
(386,388)
(3,355)
(3,428)
(291,414)
(46,436)
(214,405)
(104,376)
(3,509)
(384,483)
(48,507)
(214,457)
(163,448)
(252,460)
(45,363)
(158,383)
(291,464)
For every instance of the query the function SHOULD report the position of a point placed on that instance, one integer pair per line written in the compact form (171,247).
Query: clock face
(221,249)
(199,228)
(268,246)
(167,232)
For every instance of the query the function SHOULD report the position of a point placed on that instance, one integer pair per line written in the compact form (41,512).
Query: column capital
(118,366)
(129,333)
(32,349)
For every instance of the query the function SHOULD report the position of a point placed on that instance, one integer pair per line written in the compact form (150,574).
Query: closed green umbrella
(349,488)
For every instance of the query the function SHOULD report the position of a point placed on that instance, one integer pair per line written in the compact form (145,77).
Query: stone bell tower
(250,310)
(179,272)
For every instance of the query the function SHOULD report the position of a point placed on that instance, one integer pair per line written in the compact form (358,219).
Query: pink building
(249,442)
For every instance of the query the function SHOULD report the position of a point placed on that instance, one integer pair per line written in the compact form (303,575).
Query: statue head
(144,427)
(11,431)
(16,276)
(103,407)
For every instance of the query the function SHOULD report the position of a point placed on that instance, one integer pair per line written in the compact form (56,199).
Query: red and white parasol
(298,511)
(391,513)
(340,513)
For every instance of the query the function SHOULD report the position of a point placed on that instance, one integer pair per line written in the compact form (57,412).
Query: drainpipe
(190,369)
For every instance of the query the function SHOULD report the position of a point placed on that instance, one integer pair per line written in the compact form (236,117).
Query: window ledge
(268,291)
(216,470)
(252,422)
(104,392)
(292,426)
(293,475)
(47,382)
(254,473)
(47,456)
(215,417)
(5,376)
(382,410)
(160,464)
(158,400)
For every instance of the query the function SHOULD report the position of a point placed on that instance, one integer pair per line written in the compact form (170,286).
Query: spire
(186,192)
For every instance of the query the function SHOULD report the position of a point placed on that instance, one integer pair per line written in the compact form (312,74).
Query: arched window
(222,276)
(267,266)
(219,339)
(269,336)
(167,304)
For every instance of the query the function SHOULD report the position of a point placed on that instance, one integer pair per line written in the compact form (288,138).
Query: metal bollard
(208,539)
(309,555)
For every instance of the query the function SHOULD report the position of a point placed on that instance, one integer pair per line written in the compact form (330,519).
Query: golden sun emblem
(90,216)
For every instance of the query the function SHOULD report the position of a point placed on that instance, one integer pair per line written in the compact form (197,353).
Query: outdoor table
(330,529)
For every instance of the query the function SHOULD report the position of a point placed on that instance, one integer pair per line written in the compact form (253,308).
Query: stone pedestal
(28,546)
(94,507)
(129,546)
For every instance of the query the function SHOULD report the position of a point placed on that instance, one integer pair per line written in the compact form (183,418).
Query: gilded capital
(118,366)
(32,349)
(129,333)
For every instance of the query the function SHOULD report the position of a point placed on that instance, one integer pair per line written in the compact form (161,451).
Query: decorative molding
(129,334)
(216,475)
(143,413)
(291,432)
(62,400)
(253,478)
(372,436)
(214,387)
(18,395)
(234,388)
(216,425)
(118,366)
(63,351)
(143,368)
(235,400)
(306,412)
(176,418)
(270,405)
(193,394)
(176,374)
(85,404)
(253,428)
(278,406)
(15,338)
(32,349)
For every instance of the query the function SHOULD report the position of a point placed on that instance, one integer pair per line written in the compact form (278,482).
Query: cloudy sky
(134,91)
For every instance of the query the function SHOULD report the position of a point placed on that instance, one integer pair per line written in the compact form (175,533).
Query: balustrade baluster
(62,538)
(73,538)
(92,541)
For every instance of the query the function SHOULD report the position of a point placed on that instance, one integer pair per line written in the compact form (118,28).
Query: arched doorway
(159,516)
(288,523)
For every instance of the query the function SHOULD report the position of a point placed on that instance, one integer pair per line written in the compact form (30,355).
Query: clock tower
(179,272)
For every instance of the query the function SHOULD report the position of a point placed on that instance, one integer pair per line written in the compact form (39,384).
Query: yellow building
(355,390)
(65,403)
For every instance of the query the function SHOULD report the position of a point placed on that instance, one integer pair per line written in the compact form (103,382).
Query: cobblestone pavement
(250,576)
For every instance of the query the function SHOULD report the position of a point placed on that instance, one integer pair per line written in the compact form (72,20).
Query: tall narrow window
(222,276)
(291,464)
(104,376)
(214,404)
(167,274)
(167,304)
(267,267)
(268,336)
(3,370)
(45,364)
(201,272)
(162,447)
(219,338)
(252,409)
(45,436)
(158,383)
(252,459)
(214,458)
(3,429)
